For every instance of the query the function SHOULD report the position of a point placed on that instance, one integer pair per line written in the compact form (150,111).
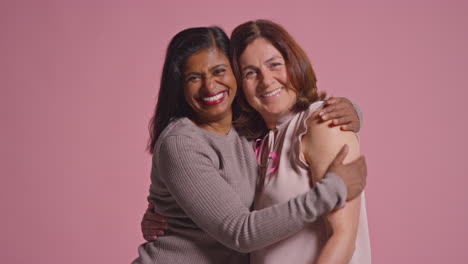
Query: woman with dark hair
(278,96)
(204,173)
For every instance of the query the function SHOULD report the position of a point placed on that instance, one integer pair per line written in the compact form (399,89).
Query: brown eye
(192,79)
(275,65)
(219,71)
(250,74)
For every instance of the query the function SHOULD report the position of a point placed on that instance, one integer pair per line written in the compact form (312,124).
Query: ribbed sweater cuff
(336,187)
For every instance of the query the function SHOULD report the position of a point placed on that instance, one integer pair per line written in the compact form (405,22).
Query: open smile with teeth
(215,99)
(272,93)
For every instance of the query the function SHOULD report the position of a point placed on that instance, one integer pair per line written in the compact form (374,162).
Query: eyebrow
(219,65)
(273,58)
(249,67)
(212,68)
(190,74)
(267,61)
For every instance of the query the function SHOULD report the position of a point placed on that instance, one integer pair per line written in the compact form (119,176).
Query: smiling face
(265,81)
(209,86)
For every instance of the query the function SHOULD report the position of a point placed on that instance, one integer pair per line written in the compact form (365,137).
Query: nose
(267,78)
(209,84)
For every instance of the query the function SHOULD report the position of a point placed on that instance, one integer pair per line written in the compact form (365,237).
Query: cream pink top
(285,176)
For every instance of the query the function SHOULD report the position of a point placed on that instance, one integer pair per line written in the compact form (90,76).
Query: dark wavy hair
(171,104)
(247,121)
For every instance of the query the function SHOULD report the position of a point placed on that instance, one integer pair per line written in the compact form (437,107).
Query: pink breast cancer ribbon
(272,155)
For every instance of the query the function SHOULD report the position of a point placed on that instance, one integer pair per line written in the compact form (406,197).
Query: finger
(341,120)
(152,229)
(341,155)
(359,162)
(335,113)
(342,100)
(361,165)
(331,100)
(148,232)
(150,238)
(326,109)
(342,103)
(152,232)
(149,211)
(347,108)
(154,217)
(349,127)
(332,111)
(153,224)
(354,128)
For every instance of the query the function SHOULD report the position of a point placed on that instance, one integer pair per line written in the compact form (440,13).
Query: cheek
(189,92)
(231,82)
(251,97)
(249,91)
(291,99)
(284,77)
(186,93)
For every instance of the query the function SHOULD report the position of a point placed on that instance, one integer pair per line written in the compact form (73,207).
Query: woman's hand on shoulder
(342,113)
(354,174)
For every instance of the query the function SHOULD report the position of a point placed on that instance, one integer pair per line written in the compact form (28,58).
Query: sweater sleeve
(203,194)
(359,113)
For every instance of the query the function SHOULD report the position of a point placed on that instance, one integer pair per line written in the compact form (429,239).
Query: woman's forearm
(344,223)
(339,249)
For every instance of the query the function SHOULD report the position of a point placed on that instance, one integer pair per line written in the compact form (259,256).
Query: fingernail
(335,121)
(324,117)
(321,113)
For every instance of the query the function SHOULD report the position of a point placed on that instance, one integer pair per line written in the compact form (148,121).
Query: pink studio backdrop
(79,81)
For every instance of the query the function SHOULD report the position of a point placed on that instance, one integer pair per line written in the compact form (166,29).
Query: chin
(277,111)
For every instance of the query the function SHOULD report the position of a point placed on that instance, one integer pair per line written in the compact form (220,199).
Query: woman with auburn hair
(204,173)
(278,97)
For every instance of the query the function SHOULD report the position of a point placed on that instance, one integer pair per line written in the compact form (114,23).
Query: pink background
(79,81)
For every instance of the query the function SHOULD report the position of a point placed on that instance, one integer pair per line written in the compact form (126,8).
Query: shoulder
(325,130)
(176,151)
(317,127)
(310,115)
(184,131)
(180,127)
(180,135)
(322,137)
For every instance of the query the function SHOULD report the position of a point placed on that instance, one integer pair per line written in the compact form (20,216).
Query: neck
(273,121)
(221,126)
